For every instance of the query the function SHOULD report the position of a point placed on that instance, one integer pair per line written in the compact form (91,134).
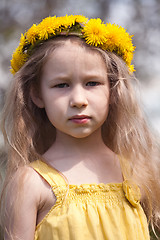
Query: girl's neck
(66,145)
(84,160)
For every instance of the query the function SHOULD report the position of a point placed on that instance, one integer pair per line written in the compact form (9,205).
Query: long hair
(28,132)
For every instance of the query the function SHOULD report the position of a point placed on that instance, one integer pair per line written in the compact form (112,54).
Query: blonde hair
(29,133)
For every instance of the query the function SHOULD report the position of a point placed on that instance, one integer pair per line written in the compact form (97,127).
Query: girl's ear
(36,98)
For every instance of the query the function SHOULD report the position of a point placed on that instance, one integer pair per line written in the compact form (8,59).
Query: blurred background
(141,18)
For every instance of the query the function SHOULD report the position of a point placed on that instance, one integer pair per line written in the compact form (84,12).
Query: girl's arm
(21,206)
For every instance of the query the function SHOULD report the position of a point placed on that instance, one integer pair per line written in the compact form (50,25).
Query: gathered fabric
(91,211)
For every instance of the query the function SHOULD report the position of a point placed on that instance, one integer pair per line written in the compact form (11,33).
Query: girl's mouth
(80,119)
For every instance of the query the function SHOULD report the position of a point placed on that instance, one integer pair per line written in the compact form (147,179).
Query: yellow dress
(91,211)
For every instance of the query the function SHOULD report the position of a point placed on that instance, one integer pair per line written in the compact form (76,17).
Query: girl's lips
(80,119)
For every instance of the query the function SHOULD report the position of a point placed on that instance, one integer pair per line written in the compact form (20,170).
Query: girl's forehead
(74,50)
(72,59)
(75,46)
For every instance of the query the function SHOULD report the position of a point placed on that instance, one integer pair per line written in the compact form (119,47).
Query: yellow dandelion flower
(113,35)
(47,27)
(66,22)
(18,60)
(127,57)
(117,37)
(120,42)
(80,19)
(23,41)
(131,68)
(95,32)
(32,34)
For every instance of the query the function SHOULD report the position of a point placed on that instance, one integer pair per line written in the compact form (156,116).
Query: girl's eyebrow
(95,77)
(86,78)
(91,75)
(59,78)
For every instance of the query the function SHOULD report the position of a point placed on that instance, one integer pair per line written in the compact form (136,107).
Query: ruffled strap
(54,178)
(132,192)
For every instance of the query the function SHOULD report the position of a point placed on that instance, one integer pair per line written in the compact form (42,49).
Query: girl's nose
(78,98)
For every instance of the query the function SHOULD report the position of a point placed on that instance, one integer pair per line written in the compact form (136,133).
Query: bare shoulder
(28,187)
(21,203)
(25,180)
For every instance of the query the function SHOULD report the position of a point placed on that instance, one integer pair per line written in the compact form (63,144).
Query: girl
(82,163)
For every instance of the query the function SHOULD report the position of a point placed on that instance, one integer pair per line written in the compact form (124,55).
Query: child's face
(75,90)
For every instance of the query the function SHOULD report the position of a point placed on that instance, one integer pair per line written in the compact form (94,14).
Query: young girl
(82,163)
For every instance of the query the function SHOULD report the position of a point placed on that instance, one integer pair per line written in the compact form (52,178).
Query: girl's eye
(61,85)
(92,84)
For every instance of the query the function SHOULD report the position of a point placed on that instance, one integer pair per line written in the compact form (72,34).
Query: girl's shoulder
(27,197)
(24,177)
(29,184)
(22,200)
(24,185)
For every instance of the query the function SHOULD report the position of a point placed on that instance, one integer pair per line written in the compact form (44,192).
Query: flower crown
(109,37)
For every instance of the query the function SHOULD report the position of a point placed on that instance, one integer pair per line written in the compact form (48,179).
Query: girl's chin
(81,134)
